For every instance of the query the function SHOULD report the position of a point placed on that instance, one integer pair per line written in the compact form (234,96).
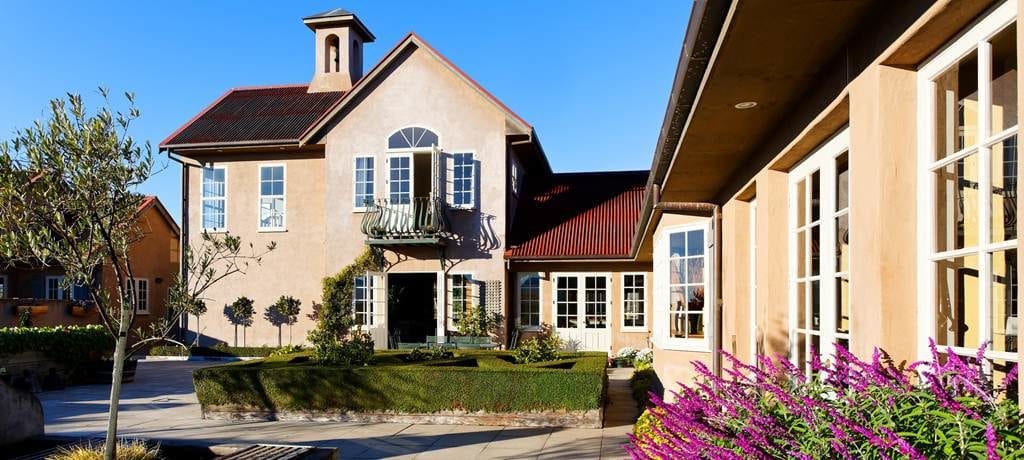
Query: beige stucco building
(415,159)
(852,172)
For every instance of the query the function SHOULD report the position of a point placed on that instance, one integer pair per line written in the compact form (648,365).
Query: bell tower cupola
(339,36)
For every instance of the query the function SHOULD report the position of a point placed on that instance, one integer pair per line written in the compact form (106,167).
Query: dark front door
(411,301)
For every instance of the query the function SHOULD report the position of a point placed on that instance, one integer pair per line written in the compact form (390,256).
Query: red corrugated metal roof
(258,114)
(578,215)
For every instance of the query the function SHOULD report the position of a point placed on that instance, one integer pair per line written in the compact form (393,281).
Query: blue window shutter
(38,286)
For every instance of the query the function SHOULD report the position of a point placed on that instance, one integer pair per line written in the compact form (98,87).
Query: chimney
(339,36)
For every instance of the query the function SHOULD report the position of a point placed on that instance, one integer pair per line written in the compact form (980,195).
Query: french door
(581,303)
(819,269)
(370,307)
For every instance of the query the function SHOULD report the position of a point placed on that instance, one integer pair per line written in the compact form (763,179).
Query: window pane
(695,243)
(842,182)
(842,304)
(1004,190)
(815,196)
(957,205)
(801,305)
(695,270)
(958,312)
(1004,301)
(801,203)
(956,107)
(816,305)
(801,253)
(843,243)
(1004,79)
(677,271)
(677,244)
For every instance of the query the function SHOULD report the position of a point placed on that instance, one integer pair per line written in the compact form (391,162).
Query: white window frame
(662,294)
(581,299)
(5,287)
(62,293)
(203,199)
(283,196)
(427,149)
(974,38)
(371,180)
(644,303)
(823,161)
(540,301)
(470,295)
(368,308)
(412,176)
(471,204)
(134,288)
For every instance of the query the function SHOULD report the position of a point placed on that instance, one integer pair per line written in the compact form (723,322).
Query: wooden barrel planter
(34,310)
(103,371)
(82,311)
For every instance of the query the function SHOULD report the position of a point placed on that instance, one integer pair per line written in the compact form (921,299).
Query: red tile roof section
(578,216)
(256,115)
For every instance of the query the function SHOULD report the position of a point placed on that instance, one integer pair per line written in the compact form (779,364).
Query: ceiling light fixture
(746,105)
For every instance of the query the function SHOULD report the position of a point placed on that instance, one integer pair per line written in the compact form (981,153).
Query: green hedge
(64,344)
(217,350)
(391,384)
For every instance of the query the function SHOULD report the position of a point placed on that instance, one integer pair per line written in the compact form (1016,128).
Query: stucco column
(883,162)
(772,263)
(736,279)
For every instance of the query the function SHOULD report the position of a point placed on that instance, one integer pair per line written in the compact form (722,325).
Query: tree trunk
(236,335)
(278,336)
(244,329)
(115,392)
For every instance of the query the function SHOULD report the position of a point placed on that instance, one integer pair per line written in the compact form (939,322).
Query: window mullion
(984,188)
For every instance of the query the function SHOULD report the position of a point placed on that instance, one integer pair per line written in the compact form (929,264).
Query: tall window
(969,172)
(687,283)
(214,199)
(363,182)
(140,289)
(633,291)
(362,300)
(272,204)
(820,251)
(54,288)
(462,180)
(566,302)
(400,179)
(595,302)
(461,292)
(529,300)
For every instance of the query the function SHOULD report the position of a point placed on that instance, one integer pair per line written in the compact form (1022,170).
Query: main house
(416,160)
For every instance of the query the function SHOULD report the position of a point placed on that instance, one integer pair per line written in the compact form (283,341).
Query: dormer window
(332,54)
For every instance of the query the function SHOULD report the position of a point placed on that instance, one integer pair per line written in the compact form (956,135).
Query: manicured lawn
(471,381)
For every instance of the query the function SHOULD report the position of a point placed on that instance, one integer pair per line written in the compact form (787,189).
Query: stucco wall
(295,267)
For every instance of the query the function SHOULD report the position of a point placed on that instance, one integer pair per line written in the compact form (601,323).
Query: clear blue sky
(592,77)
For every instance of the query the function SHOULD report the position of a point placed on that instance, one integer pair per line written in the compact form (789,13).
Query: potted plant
(82,308)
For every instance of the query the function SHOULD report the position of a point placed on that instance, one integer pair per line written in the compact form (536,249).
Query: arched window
(332,58)
(412,138)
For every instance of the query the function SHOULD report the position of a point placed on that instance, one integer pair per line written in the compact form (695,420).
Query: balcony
(422,222)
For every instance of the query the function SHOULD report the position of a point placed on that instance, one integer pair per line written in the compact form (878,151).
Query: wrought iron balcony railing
(422,221)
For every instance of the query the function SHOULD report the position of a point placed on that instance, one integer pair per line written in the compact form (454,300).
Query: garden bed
(473,387)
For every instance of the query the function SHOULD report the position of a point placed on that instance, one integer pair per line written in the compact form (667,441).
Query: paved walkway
(161,405)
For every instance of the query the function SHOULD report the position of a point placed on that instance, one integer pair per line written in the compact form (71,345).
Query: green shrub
(470,381)
(221,350)
(428,354)
(63,344)
(477,322)
(642,380)
(286,350)
(537,349)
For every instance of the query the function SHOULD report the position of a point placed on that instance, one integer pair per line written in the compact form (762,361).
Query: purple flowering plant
(946,407)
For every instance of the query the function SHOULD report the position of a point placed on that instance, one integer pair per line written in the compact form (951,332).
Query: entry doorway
(412,306)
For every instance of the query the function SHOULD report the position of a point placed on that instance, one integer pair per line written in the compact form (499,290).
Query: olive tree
(69,199)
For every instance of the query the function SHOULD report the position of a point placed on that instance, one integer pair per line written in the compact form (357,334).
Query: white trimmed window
(272,200)
(683,293)
(140,289)
(634,310)
(214,199)
(967,96)
(55,288)
(364,182)
(362,298)
(463,182)
(400,179)
(819,278)
(528,301)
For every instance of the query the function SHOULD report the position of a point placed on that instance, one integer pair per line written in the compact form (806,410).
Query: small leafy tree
(476,321)
(240,313)
(69,199)
(284,311)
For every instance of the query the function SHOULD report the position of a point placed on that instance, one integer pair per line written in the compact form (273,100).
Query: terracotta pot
(35,309)
(81,311)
